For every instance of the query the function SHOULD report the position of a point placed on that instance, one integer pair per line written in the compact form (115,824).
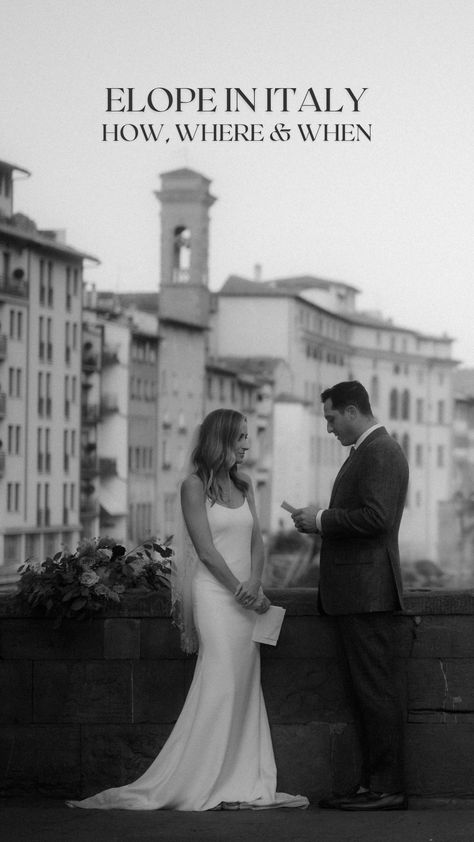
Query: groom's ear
(351,411)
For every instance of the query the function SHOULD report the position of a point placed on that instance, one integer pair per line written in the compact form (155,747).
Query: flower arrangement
(98,573)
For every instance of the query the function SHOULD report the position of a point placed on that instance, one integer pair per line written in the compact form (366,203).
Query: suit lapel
(342,471)
(378,432)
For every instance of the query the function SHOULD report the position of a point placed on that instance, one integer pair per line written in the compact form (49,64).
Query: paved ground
(48,820)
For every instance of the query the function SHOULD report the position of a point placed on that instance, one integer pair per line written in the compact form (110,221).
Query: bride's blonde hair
(215,453)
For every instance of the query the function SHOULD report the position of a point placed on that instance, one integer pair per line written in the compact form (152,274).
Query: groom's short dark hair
(348,393)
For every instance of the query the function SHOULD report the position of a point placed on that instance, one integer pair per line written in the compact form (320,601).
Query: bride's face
(241,444)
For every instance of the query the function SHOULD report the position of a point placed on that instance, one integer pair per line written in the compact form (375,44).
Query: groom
(360,585)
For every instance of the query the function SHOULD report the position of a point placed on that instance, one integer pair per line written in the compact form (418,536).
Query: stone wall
(89,705)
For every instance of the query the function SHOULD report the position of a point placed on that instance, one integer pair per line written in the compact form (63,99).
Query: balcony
(107,467)
(90,363)
(89,466)
(3,346)
(17,287)
(109,403)
(3,404)
(89,508)
(90,414)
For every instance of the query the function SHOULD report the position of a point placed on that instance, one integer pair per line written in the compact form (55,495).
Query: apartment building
(40,385)
(119,412)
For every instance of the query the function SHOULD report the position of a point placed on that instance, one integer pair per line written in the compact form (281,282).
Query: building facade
(408,374)
(40,386)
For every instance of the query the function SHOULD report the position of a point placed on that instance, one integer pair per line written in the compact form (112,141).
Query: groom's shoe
(333,802)
(375,801)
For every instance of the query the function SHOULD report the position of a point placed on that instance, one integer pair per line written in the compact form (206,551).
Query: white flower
(89,578)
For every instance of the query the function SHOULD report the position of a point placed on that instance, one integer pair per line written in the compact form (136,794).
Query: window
(13,497)
(440,456)
(374,390)
(406,404)
(419,410)
(14,439)
(42,288)
(14,382)
(181,255)
(49,339)
(12,550)
(68,288)
(47,443)
(419,455)
(393,411)
(67,349)
(440,412)
(41,346)
(406,445)
(50,283)
(40,394)
(48,395)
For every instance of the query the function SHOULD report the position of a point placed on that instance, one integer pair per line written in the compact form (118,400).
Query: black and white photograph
(236,420)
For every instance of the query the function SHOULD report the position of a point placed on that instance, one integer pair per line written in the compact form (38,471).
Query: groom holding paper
(360,586)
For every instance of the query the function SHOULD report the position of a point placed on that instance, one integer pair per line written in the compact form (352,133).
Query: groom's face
(341,423)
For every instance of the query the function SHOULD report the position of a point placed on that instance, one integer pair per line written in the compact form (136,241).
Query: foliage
(288,541)
(97,574)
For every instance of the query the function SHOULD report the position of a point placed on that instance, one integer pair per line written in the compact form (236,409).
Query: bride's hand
(262,605)
(247,593)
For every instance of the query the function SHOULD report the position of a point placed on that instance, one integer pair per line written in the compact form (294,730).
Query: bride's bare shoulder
(192,484)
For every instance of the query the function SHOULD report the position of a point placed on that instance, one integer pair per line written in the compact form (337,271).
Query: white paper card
(267,626)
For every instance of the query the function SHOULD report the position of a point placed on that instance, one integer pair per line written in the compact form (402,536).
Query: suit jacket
(360,560)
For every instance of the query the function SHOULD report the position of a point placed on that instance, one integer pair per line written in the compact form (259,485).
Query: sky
(391,216)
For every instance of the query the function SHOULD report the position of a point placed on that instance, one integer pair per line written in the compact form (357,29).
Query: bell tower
(185,202)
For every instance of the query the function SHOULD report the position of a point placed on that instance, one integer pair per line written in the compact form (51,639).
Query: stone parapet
(89,705)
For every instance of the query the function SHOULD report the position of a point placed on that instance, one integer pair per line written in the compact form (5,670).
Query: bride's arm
(195,517)
(252,588)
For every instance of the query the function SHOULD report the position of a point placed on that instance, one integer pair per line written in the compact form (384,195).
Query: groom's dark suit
(360,584)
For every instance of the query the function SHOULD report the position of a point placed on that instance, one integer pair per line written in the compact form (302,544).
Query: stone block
(158,690)
(159,639)
(121,638)
(439,759)
(444,637)
(82,691)
(303,758)
(16,679)
(189,669)
(33,638)
(441,685)
(297,601)
(346,757)
(40,759)
(405,636)
(304,637)
(114,755)
(304,690)
(144,604)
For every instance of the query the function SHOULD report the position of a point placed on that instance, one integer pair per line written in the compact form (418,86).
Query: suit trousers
(368,643)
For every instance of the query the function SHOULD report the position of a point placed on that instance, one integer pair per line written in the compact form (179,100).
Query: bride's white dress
(220,749)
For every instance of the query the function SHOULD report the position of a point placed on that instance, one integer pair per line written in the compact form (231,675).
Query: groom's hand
(305,519)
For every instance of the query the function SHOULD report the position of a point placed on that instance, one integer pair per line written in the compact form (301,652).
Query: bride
(219,754)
